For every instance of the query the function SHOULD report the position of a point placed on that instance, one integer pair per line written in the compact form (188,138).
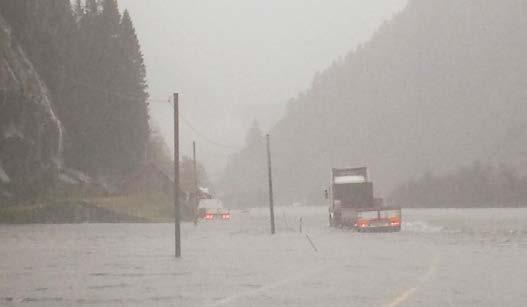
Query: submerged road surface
(440,258)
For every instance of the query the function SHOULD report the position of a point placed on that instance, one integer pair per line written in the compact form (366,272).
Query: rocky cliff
(30,131)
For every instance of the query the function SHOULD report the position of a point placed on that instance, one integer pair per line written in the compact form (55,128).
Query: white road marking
(271,286)
(402,297)
(406,294)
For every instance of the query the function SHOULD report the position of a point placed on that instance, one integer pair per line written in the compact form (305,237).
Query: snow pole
(177,217)
(311,242)
(270,175)
(196,188)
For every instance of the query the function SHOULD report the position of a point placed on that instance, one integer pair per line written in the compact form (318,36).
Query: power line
(151,100)
(203,136)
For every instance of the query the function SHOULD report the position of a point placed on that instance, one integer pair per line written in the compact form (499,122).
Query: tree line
(474,186)
(244,182)
(90,58)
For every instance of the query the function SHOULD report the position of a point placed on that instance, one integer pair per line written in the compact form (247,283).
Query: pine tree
(92,7)
(132,53)
(78,9)
(133,82)
(111,16)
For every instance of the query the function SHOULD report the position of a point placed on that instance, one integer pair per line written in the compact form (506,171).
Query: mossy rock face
(3,41)
(30,132)
(5,37)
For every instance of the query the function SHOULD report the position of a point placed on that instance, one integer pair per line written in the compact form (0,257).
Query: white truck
(352,204)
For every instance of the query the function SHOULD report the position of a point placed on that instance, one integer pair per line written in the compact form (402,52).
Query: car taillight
(395,221)
(362,223)
(226,216)
(208,216)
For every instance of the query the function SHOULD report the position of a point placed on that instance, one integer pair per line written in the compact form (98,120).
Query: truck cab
(352,203)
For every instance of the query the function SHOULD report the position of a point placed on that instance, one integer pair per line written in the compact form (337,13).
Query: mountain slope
(441,85)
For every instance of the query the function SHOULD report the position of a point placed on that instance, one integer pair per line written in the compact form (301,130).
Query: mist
(349,153)
(237,61)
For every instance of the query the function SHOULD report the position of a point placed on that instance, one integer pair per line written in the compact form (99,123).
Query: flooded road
(440,258)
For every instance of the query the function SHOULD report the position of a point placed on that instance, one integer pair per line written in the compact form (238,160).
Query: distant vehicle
(212,209)
(352,204)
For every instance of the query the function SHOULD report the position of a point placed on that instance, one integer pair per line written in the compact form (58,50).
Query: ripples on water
(130,264)
(492,225)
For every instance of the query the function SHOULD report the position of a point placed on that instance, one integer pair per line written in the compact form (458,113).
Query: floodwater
(454,257)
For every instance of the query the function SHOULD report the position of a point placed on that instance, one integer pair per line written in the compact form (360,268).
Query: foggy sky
(234,61)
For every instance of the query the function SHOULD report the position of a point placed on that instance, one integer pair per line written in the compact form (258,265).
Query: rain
(263,153)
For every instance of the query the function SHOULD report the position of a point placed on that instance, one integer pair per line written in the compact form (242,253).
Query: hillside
(440,85)
(73,95)
(30,132)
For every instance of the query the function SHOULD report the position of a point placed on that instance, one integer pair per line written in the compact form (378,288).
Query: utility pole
(271,205)
(196,189)
(177,217)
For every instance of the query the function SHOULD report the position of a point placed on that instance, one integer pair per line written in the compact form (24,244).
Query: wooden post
(196,187)
(271,204)
(177,217)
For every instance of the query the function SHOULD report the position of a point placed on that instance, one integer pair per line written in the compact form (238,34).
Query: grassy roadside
(123,209)
(62,212)
(155,208)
